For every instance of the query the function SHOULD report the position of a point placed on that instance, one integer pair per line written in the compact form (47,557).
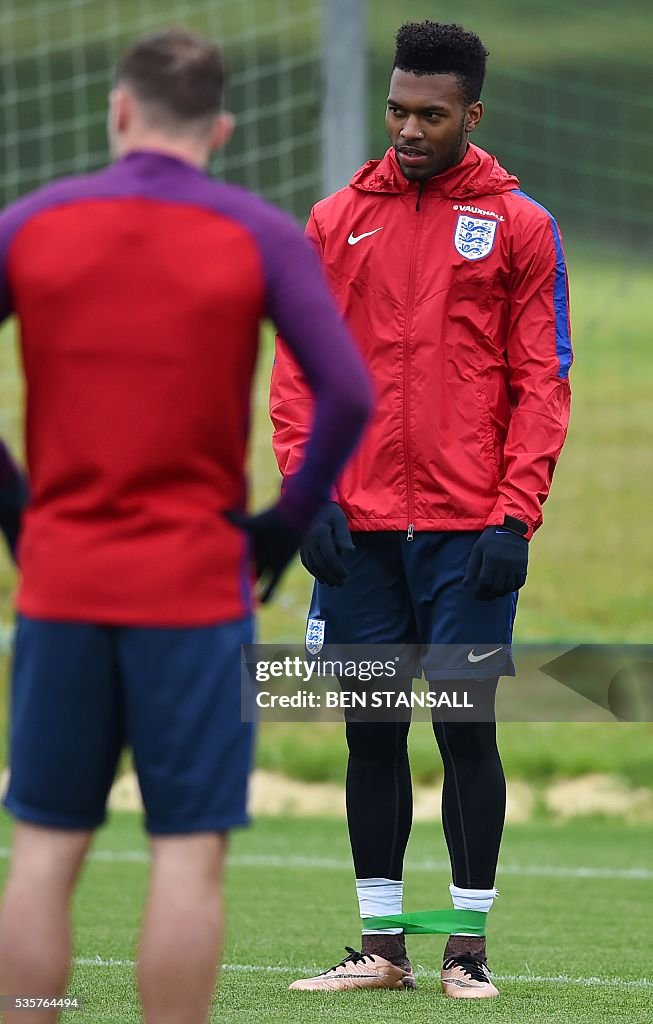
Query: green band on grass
(432,922)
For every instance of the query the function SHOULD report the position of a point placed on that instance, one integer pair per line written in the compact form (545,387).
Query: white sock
(378,897)
(472,899)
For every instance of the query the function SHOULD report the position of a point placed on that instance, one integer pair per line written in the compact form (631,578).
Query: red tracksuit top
(139,291)
(457,295)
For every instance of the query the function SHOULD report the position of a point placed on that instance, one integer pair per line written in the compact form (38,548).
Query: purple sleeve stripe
(298,507)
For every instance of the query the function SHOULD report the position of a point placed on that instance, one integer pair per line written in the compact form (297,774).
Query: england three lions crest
(474,237)
(315,636)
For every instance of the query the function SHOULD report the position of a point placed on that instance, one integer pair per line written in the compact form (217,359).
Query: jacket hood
(478,174)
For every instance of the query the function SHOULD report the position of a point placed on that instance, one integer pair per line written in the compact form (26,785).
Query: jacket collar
(478,173)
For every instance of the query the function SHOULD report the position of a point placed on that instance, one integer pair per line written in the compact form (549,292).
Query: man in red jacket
(455,285)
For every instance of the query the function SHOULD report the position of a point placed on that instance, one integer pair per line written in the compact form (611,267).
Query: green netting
(568,101)
(56,61)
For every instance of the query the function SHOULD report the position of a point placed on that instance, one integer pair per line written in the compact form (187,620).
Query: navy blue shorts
(81,692)
(411,592)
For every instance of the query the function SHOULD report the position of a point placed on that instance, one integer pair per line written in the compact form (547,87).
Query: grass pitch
(569,940)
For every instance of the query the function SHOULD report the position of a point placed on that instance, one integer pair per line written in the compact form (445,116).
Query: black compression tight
(379,797)
(380,803)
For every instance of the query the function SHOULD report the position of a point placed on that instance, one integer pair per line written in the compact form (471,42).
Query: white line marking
(544,870)
(113,856)
(248,860)
(566,979)
(98,961)
(122,856)
(551,979)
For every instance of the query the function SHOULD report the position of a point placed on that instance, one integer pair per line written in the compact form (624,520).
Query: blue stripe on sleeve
(560,303)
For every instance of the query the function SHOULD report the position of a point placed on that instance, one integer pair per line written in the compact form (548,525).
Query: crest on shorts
(315,635)
(474,236)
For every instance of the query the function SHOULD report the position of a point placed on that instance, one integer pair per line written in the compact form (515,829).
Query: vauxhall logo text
(476,209)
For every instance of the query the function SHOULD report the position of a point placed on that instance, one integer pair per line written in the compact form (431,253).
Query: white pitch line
(566,979)
(113,856)
(544,871)
(344,864)
(98,961)
(551,979)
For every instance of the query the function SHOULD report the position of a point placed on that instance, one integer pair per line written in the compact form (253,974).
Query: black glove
(323,545)
(498,563)
(14,495)
(274,542)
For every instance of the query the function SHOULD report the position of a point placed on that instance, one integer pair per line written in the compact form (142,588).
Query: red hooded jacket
(456,291)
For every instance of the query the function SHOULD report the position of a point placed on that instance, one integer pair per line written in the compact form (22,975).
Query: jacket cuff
(516,524)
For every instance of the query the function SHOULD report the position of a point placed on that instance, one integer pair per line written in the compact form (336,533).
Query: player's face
(428,122)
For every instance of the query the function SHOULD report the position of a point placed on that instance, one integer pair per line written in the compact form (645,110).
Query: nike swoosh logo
(481,657)
(355,239)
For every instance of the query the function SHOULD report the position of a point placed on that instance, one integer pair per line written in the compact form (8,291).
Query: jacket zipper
(409,315)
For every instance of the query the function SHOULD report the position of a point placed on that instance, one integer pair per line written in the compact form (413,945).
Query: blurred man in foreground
(140,291)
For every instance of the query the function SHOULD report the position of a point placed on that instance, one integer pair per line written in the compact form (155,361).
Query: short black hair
(435,48)
(177,72)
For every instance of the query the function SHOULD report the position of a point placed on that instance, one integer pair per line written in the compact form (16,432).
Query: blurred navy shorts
(81,692)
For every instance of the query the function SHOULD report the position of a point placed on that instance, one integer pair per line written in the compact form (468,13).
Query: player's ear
(473,116)
(118,117)
(121,104)
(223,129)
